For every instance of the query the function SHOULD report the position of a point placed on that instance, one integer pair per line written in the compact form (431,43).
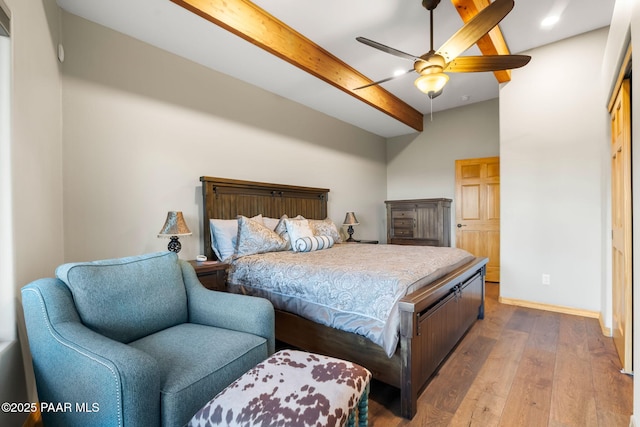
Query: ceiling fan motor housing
(429,63)
(430,4)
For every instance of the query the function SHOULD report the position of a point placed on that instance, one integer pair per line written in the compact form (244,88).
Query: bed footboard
(433,321)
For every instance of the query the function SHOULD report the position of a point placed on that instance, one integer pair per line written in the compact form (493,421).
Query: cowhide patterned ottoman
(292,388)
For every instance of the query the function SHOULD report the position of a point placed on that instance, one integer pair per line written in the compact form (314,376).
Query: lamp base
(174,244)
(350,232)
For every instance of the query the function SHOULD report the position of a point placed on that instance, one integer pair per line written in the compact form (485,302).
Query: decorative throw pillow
(325,227)
(281,229)
(224,234)
(297,228)
(313,243)
(255,238)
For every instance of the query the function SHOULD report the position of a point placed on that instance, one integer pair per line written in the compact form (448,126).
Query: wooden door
(478,210)
(622,309)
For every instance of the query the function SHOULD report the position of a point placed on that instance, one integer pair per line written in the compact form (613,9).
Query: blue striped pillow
(314,243)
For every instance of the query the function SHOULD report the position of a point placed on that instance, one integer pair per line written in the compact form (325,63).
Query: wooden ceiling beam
(492,43)
(255,25)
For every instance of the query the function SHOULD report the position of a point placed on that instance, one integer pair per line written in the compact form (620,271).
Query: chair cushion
(196,363)
(128,298)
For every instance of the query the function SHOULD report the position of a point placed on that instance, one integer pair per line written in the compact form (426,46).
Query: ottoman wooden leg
(363,408)
(362,411)
(351,422)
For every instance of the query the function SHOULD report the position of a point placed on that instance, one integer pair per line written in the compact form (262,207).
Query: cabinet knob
(462,225)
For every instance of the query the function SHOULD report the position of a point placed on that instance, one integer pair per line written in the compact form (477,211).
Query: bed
(431,319)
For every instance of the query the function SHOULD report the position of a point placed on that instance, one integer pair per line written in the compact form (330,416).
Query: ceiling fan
(432,65)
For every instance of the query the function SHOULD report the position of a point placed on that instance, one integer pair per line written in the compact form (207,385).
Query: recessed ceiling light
(550,21)
(399,72)
(465,97)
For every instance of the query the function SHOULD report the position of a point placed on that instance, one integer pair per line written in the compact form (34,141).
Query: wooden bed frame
(433,319)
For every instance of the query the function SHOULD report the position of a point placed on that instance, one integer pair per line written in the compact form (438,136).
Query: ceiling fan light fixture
(431,83)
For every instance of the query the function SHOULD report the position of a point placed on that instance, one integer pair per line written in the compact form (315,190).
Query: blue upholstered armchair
(138,341)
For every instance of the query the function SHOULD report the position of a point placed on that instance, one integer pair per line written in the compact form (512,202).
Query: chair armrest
(121,384)
(229,311)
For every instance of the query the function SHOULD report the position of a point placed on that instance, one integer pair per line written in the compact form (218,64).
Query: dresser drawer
(403,222)
(403,232)
(403,214)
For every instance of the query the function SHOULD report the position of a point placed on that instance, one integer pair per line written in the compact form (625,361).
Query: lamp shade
(431,83)
(174,225)
(350,219)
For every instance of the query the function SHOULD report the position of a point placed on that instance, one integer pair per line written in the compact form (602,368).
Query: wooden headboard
(227,198)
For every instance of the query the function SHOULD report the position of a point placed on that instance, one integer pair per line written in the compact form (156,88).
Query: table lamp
(350,220)
(174,227)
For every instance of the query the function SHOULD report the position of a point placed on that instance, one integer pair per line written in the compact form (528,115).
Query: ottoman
(292,388)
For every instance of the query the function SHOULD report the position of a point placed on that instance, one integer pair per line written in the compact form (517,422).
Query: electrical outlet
(546,279)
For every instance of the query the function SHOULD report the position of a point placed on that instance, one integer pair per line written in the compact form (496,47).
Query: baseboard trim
(551,307)
(607,332)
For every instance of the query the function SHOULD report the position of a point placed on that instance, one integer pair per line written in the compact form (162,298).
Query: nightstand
(212,274)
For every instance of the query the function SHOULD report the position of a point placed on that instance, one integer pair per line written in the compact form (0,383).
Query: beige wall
(553,150)
(142,125)
(35,244)
(423,165)
(36,146)
(36,157)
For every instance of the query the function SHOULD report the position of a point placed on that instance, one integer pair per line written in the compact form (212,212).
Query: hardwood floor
(520,367)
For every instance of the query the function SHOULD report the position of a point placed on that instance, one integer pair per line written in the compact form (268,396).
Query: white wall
(35,245)
(142,125)
(423,165)
(553,139)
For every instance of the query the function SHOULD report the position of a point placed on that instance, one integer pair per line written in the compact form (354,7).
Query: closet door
(621,216)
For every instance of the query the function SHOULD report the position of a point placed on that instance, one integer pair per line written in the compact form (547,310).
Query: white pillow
(313,243)
(297,229)
(224,234)
(270,223)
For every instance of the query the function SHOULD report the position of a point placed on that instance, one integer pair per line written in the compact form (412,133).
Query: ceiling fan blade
(475,28)
(385,80)
(470,64)
(387,49)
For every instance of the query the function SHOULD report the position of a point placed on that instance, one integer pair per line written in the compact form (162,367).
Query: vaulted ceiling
(307,52)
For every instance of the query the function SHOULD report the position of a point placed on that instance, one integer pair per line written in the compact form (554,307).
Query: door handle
(462,225)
